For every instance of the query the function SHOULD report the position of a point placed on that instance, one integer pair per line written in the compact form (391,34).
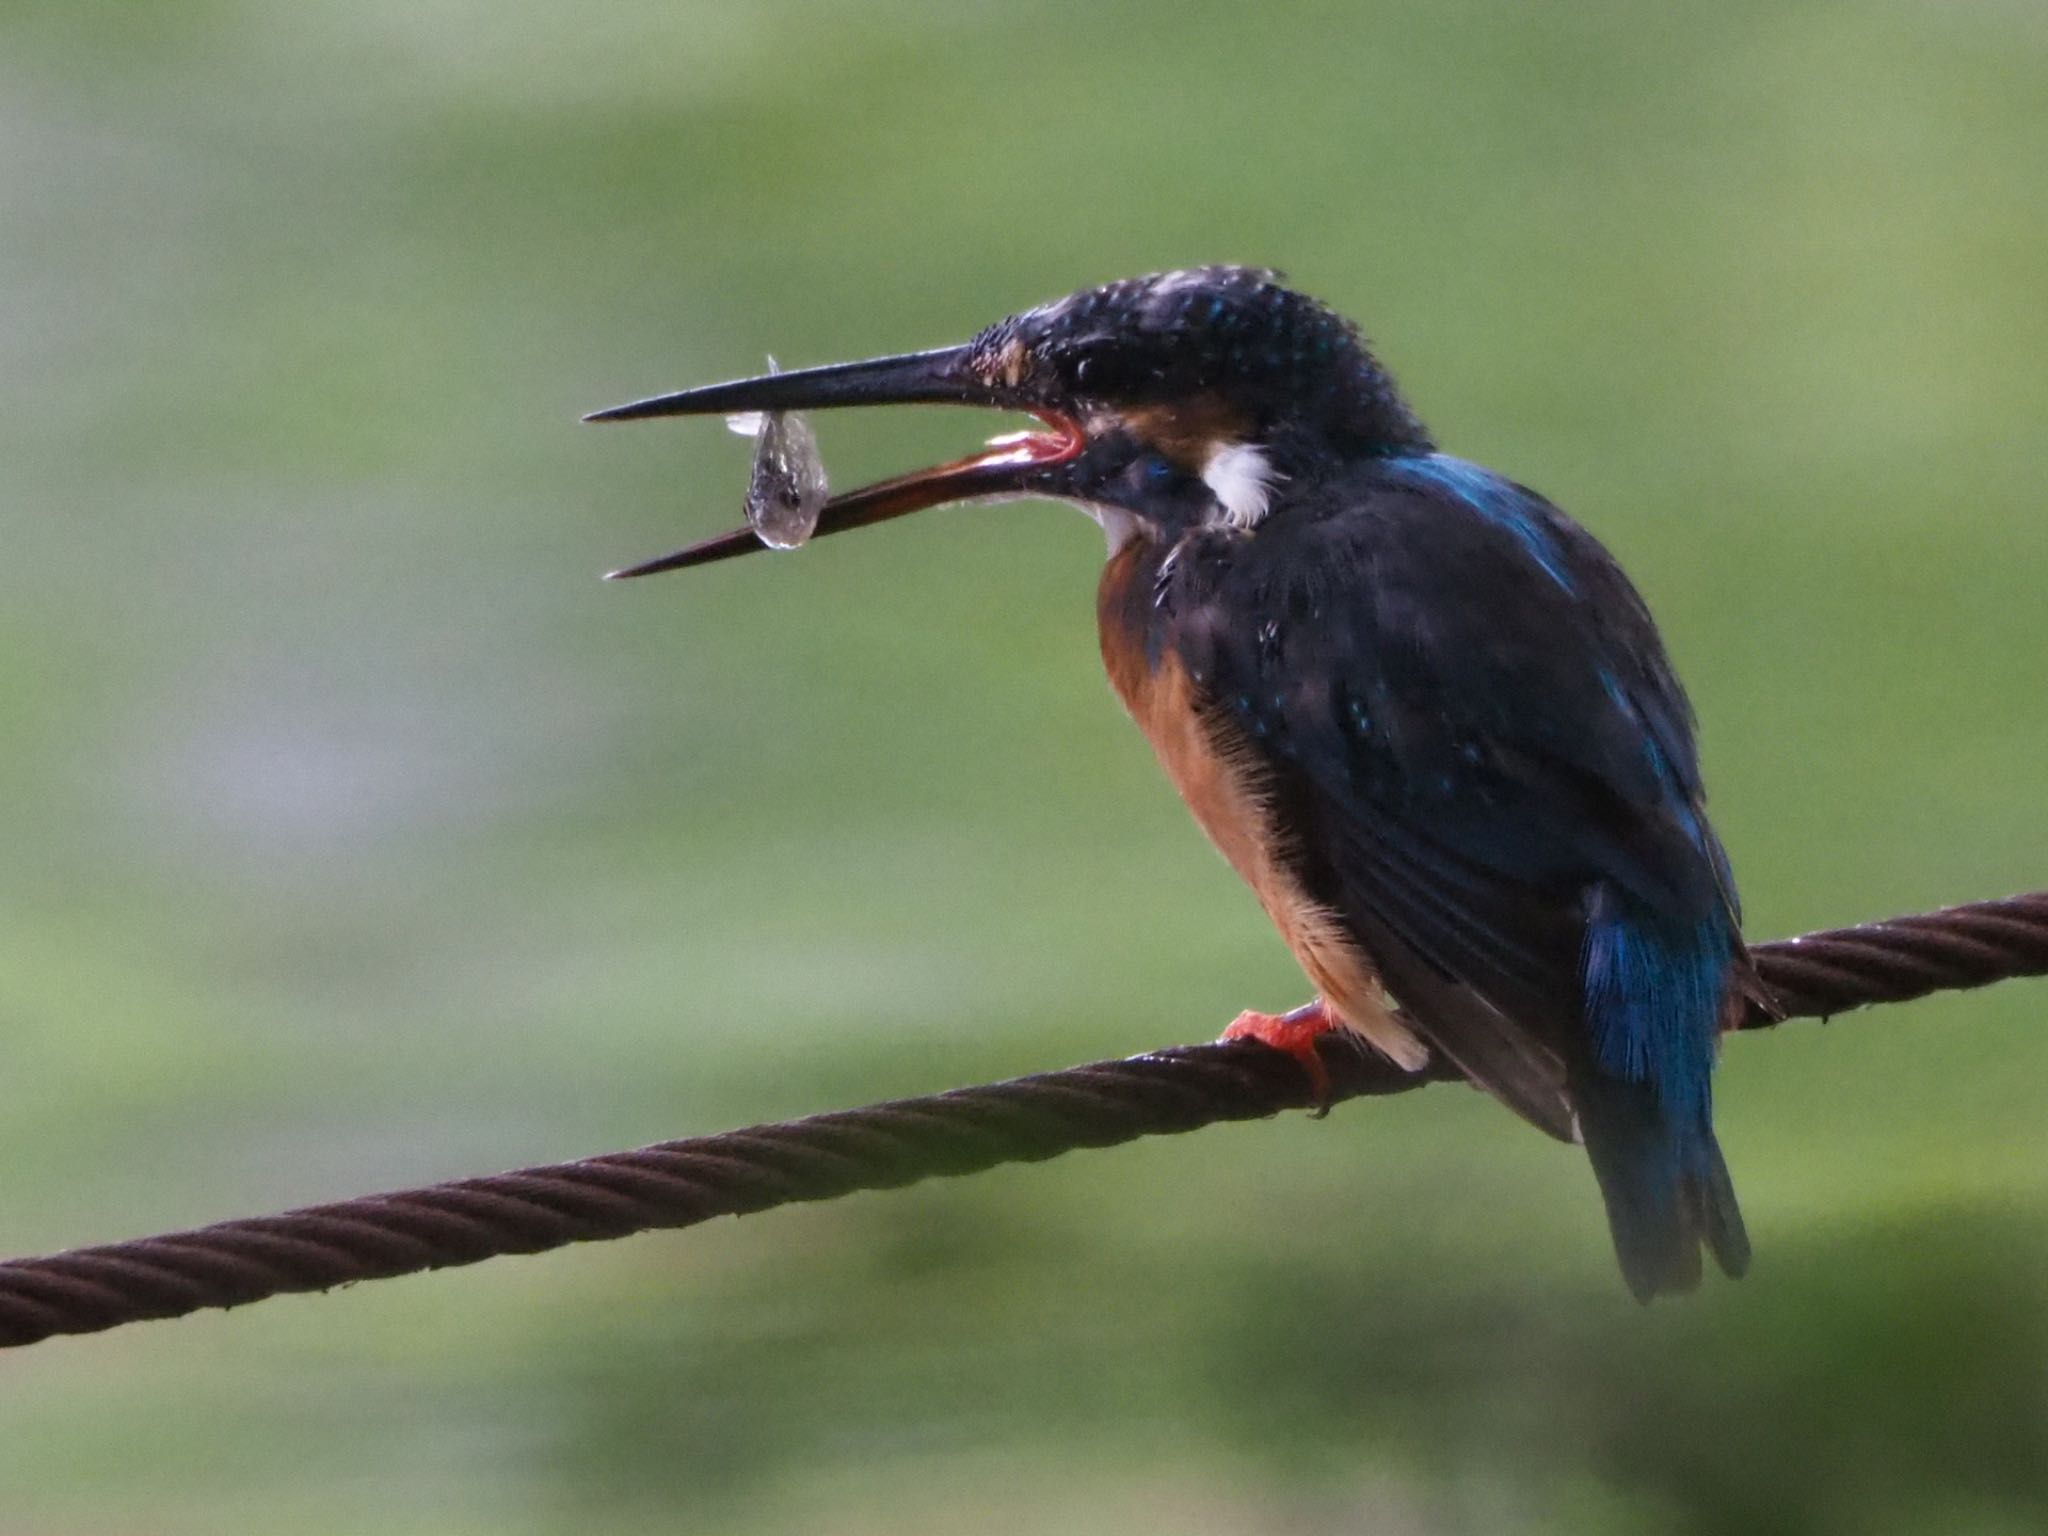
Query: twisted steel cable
(884,1146)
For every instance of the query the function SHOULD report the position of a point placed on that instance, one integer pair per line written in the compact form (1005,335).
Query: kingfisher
(1419,710)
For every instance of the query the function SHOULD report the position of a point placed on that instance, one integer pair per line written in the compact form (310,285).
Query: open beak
(1010,464)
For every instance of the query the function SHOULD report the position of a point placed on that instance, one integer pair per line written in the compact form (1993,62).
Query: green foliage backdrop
(357,836)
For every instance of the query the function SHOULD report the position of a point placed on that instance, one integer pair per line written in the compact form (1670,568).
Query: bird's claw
(1296,1034)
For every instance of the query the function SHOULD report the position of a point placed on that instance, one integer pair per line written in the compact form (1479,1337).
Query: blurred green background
(358,836)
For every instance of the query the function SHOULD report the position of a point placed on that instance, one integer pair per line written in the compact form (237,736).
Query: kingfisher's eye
(1156,469)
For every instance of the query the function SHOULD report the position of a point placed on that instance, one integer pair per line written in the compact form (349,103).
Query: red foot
(1295,1033)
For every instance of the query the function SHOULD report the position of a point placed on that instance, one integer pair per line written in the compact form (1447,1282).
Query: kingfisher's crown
(1236,333)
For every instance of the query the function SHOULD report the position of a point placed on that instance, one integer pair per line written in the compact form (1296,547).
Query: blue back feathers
(1494,497)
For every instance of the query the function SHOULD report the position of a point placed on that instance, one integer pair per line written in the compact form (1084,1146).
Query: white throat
(1119,527)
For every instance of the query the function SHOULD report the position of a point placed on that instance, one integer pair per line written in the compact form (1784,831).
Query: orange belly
(1217,774)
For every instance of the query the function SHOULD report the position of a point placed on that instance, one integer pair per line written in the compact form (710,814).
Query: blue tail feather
(1654,990)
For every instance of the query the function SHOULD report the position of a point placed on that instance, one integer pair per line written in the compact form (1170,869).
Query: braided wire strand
(888,1145)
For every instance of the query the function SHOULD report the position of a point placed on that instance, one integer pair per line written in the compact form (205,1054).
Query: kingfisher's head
(1168,402)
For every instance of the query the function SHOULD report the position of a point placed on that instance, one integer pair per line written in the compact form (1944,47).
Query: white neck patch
(1242,477)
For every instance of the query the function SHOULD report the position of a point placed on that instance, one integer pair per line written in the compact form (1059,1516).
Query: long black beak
(938,377)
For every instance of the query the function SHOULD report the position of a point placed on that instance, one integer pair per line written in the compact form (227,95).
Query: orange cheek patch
(1189,431)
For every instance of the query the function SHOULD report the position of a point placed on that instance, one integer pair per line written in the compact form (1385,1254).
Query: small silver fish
(787,489)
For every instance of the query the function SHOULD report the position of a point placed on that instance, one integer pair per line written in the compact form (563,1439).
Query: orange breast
(1217,772)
